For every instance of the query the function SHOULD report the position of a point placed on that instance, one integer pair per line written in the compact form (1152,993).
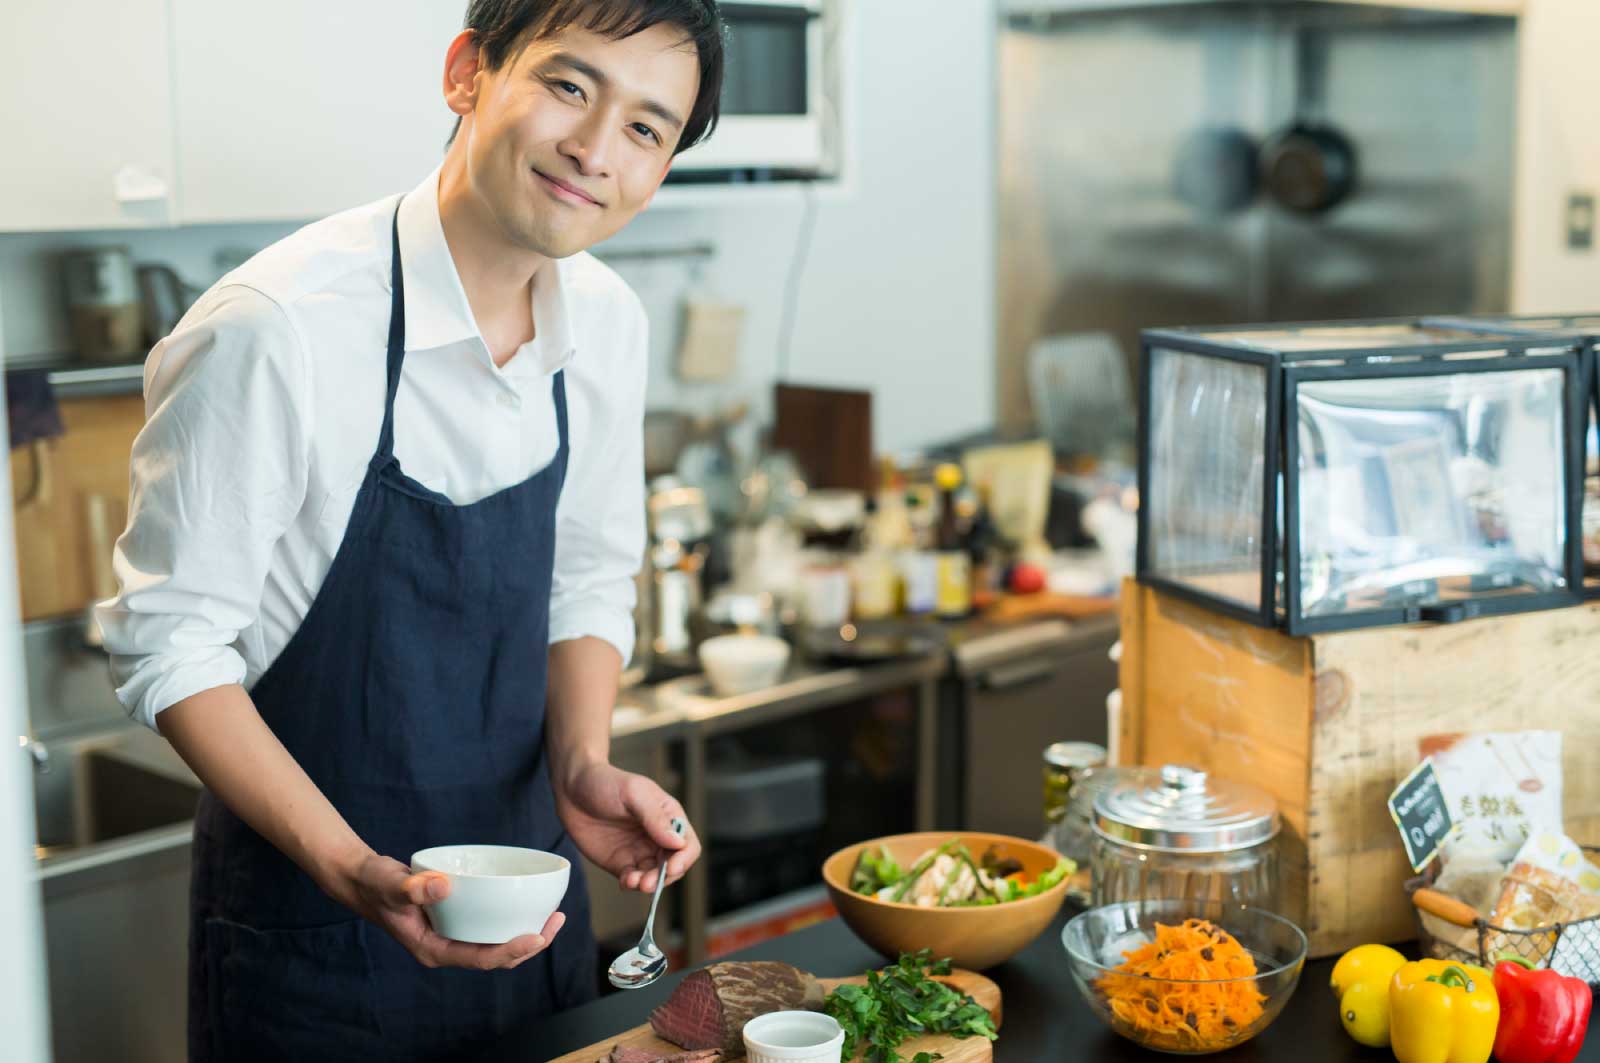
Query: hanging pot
(1309,168)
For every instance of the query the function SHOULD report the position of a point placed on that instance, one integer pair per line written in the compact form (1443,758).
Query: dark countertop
(1044,1018)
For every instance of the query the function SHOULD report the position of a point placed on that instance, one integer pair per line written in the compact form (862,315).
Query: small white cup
(793,1037)
(497,892)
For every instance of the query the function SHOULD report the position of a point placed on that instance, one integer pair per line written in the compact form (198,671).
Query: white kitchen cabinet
(300,108)
(86,116)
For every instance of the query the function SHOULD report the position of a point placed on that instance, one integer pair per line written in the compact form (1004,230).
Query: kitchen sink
(105,788)
(114,813)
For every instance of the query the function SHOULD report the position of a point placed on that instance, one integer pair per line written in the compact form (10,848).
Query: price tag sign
(1420,811)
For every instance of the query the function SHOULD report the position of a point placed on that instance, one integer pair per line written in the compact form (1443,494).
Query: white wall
(1558,152)
(24,1017)
(897,294)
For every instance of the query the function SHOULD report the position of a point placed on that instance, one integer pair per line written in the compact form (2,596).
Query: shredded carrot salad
(1204,1013)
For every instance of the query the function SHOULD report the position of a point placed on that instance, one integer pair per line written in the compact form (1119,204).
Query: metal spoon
(644,963)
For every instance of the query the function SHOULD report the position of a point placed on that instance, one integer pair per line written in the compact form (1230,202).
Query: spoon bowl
(634,970)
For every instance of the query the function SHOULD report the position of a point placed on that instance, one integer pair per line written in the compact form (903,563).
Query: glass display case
(1316,477)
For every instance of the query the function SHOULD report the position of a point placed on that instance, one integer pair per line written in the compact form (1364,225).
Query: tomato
(1027,579)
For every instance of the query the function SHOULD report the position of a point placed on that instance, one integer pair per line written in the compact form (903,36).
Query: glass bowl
(1179,1020)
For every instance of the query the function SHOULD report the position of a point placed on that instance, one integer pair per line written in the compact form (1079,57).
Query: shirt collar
(437,311)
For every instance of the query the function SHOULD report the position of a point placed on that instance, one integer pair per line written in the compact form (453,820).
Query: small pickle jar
(1068,771)
(1063,763)
(1184,836)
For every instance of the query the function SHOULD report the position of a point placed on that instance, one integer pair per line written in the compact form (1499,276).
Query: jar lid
(1074,755)
(1185,812)
(1088,784)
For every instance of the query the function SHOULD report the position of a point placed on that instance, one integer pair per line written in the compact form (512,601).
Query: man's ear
(462,64)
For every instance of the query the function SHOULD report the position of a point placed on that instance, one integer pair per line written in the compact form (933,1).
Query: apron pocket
(291,994)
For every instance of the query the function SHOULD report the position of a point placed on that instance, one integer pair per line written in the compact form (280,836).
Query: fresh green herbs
(902,1002)
(959,881)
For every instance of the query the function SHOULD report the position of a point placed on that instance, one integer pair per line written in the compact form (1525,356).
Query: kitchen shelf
(73,378)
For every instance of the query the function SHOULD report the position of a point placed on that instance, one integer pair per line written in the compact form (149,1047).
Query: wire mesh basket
(1571,948)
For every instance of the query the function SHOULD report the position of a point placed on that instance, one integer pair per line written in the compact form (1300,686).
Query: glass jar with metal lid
(1185,835)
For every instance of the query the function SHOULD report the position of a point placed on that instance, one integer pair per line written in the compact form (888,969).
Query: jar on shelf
(1179,834)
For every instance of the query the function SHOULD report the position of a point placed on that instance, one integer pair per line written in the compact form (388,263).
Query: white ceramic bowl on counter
(793,1037)
(739,664)
(497,892)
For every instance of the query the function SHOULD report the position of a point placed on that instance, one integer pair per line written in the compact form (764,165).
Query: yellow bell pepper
(1441,1012)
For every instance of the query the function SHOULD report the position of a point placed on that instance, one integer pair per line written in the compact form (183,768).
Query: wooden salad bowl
(975,938)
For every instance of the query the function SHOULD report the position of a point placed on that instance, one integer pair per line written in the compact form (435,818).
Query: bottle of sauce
(874,579)
(984,546)
(953,565)
(918,564)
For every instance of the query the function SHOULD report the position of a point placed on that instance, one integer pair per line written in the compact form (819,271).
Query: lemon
(1365,963)
(1364,1011)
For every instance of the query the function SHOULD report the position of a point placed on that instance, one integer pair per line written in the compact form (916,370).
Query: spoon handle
(678,827)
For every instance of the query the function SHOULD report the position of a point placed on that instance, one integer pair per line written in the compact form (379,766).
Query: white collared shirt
(263,408)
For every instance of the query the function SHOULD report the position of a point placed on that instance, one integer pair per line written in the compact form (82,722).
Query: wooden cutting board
(971,1050)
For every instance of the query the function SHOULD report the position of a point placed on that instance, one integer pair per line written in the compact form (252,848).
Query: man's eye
(569,88)
(645,131)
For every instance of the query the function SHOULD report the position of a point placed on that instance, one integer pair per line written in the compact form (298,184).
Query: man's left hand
(622,821)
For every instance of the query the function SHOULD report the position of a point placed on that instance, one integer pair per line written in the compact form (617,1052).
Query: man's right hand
(383,891)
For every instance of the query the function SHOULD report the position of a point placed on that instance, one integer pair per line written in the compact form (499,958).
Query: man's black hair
(505,27)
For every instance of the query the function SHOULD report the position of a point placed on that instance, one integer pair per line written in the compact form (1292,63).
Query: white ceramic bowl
(497,892)
(793,1037)
(738,664)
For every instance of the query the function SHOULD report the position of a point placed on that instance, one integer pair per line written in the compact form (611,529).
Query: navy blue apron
(413,694)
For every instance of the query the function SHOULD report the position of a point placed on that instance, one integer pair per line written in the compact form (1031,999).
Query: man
(376,586)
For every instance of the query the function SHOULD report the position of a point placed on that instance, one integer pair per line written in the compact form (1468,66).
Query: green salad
(949,877)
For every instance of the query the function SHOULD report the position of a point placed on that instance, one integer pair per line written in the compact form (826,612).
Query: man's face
(568,141)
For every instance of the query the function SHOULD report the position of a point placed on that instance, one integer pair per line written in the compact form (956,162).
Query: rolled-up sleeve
(600,521)
(217,474)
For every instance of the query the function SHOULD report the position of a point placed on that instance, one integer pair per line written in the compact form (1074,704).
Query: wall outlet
(1580,221)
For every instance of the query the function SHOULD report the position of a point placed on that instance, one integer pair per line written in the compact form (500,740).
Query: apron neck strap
(397,357)
(397,347)
(559,393)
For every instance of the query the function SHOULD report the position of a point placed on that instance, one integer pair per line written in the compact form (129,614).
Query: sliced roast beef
(624,1054)
(710,1007)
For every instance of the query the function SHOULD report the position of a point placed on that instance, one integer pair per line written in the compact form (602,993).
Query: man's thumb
(423,888)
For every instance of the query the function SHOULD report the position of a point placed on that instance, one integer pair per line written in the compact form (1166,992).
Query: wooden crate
(1329,725)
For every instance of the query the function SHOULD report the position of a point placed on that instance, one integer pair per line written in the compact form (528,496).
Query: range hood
(1022,9)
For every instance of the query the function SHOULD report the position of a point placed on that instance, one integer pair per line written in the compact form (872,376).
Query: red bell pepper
(1543,1015)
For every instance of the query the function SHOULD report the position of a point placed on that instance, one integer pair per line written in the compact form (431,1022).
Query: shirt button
(510,401)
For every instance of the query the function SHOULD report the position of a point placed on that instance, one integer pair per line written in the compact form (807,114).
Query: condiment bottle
(954,565)
(873,578)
